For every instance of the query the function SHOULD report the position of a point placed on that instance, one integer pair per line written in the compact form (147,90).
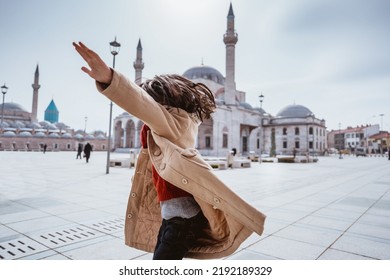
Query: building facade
(235,123)
(20,130)
(350,138)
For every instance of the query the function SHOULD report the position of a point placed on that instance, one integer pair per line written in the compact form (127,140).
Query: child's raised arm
(99,70)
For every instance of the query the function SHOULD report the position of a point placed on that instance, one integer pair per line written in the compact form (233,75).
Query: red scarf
(165,190)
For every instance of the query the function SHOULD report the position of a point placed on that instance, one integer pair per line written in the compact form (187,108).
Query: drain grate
(109,226)
(18,248)
(39,242)
(67,236)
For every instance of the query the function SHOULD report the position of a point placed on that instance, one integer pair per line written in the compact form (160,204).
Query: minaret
(138,64)
(35,87)
(230,39)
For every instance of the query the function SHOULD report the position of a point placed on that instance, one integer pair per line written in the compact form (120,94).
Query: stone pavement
(53,206)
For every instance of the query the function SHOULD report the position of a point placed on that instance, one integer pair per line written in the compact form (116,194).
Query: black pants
(177,236)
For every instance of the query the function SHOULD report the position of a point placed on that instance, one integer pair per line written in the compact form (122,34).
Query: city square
(56,207)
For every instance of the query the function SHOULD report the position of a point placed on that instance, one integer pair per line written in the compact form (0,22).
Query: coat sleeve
(134,100)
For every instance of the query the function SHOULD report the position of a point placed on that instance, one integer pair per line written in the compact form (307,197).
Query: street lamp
(114,47)
(85,126)
(4,90)
(341,142)
(261,98)
(381,129)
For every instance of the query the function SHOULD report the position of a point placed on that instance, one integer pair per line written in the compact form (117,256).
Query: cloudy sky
(331,56)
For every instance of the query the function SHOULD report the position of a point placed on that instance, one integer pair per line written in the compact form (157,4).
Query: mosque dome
(205,72)
(4,124)
(39,134)
(14,107)
(34,125)
(294,111)
(54,135)
(25,134)
(9,134)
(17,124)
(246,105)
(79,136)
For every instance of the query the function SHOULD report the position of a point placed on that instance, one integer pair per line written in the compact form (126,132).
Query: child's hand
(99,70)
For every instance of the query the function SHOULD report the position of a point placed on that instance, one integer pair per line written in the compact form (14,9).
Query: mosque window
(244,144)
(284,144)
(68,146)
(310,131)
(224,140)
(311,145)
(284,130)
(297,131)
(208,142)
(296,144)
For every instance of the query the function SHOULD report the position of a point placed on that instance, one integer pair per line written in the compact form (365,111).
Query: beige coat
(170,150)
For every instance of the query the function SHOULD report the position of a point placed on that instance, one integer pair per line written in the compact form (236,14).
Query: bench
(241,163)
(120,163)
(217,164)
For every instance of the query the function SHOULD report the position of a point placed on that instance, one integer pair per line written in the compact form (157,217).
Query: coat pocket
(189,157)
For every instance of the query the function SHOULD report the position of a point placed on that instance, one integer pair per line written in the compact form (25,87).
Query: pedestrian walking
(79,151)
(87,151)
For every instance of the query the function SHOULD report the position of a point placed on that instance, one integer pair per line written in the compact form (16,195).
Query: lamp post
(381,129)
(341,139)
(4,90)
(261,98)
(85,126)
(114,47)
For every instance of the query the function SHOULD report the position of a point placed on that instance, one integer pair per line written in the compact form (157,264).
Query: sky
(331,56)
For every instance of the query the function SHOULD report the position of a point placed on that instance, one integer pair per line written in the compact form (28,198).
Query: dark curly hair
(176,91)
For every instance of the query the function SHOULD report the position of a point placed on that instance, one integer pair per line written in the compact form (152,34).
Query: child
(175,196)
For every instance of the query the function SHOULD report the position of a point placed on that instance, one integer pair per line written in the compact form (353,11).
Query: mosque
(235,124)
(21,130)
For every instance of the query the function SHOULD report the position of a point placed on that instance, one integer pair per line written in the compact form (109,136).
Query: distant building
(351,138)
(21,130)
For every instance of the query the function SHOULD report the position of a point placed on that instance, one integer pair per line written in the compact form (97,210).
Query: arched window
(310,131)
(284,130)
(297,131)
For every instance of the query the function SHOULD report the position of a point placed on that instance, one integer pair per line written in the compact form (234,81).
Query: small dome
(54,135)
(34,125)
(78,136)
(4,124)
(205,72)
(294,111)
(61,125)
(14,106)
(90,137)
(17,124)
(66,135)
(246,105)
(260,110)
(40,134)
(101,137)
(25,134)
(9,134)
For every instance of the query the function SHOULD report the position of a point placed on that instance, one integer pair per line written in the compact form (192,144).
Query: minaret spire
(35,87)
(138,64)
(230,39)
